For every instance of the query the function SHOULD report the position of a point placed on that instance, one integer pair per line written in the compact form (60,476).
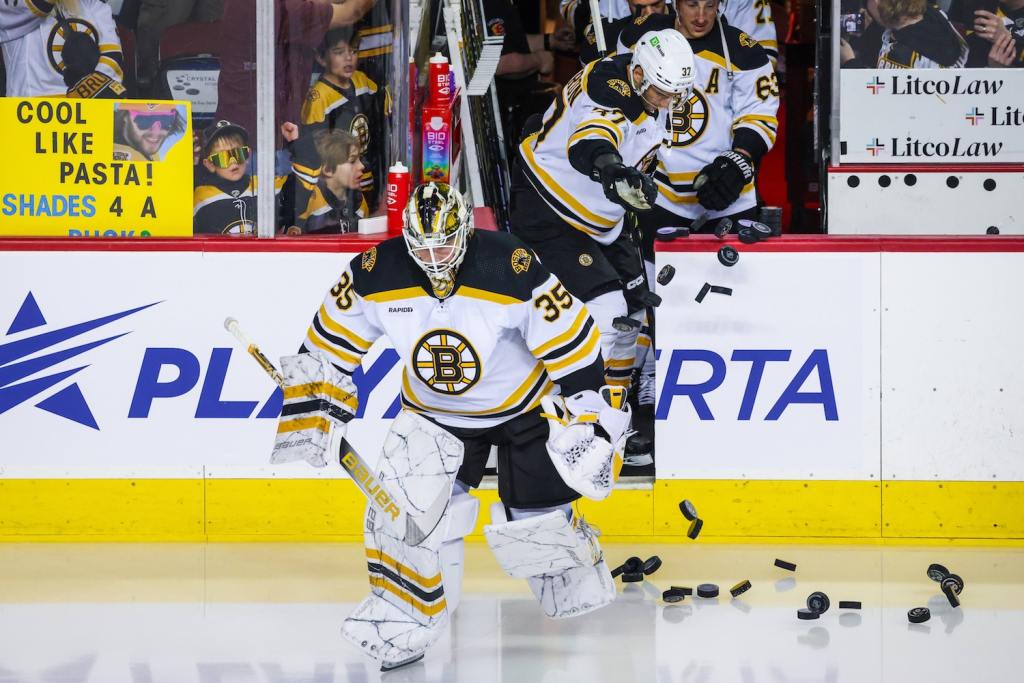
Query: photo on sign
(147,131)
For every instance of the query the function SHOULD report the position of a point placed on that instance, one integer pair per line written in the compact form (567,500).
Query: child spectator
(224,201)
(343,98)
(334,204)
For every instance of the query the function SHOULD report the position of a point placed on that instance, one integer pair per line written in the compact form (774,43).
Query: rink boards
(859,388)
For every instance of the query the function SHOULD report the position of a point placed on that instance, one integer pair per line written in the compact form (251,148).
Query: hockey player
(753,17)
(586,167)
(64,47)
(613,27)
(723,129)
(486,333)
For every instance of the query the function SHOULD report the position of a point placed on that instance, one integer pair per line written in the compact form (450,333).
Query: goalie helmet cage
(481,161)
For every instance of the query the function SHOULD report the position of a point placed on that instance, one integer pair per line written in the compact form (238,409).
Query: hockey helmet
(437,231)
(667,62)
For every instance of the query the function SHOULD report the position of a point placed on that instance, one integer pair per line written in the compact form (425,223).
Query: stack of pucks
(630,570)
(690,513)
(952,585)
(673,594)
(817,604)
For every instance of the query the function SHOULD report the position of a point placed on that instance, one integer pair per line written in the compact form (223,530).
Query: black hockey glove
(625,185)
(720,183)
(80,55)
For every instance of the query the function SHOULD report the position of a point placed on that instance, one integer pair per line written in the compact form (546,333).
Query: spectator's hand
(289,131)
(293,230)
(989,26)
(1003,51)
(563,40)
(546,62)
(197,149)
(846,52)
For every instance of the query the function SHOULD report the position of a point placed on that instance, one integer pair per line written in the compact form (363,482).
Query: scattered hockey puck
(918,615)
(806,614)
(715,289)
(688,510)
(632,577)
(936,572)
(694,531)
(666,234)
(651,299)
(723,228)
(685,590)
(849,604)
(703,292)
(992,230)
(728,256)
(951,596)
(666,274)
(818,602)
(760,230)
(631,564)
(673,595)
(651,565)
(955,582)
(788,566)
(707,590)
(700,220)
(740,588)
(624,323)
(748,236)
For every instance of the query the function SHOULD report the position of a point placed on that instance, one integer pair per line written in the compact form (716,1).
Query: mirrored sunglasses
(227,157)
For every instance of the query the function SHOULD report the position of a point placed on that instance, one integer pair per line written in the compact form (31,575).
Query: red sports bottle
(440,89)
(398,196)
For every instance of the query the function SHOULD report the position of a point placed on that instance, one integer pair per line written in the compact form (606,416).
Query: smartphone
(852,24)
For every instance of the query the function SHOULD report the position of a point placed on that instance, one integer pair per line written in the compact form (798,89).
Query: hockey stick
(598,24)
(353,463)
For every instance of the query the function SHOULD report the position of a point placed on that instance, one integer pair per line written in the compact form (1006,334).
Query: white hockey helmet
(667,62)
(437,231)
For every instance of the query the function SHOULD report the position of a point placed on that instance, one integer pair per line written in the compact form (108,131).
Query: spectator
(376,37)
(141,130)
(916,36)
(753,17)
(65,47)
(996,33)
(334,203)
(224,201)
(343,98)
(150,19)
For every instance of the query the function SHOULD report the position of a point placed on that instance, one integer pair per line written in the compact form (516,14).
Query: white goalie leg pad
(463,511)
(319,401)
(407,608)
(561,560)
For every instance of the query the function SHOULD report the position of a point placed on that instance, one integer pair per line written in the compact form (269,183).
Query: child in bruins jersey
(224,201)
(343,98)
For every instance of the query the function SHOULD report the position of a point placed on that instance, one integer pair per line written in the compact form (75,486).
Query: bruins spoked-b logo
(446,362)
(688,122)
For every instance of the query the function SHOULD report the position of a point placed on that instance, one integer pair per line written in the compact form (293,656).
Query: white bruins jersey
(478,358)
(753,17)
(597,104)
(720,113)
(32,41)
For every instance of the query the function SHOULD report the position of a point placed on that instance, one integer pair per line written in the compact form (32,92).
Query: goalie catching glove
(588,434)
(721,182)
(624,185)
(319,401)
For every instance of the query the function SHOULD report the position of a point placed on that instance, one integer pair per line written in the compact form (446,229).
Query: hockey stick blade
(354,464)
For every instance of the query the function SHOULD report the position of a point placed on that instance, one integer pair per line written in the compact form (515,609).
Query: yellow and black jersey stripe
(523,399)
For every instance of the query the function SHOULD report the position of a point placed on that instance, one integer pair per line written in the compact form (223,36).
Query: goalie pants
(526,476)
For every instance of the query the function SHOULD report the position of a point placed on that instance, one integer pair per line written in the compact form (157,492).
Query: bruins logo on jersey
(361,129)
(688,123)
(446,362)
(586,260)
(521,260)
(619,86)
(747,41)
(55,41)
(369,259)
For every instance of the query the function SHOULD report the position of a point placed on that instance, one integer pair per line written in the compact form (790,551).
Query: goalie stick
(416,528)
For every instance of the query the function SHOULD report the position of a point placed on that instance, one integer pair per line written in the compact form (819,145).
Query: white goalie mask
(437,231)
(667,61)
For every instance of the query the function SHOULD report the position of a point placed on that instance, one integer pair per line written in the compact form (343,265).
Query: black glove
(720,183)
(625,185)
(80,55)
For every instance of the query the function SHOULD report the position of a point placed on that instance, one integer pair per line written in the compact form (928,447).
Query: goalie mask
(437,231)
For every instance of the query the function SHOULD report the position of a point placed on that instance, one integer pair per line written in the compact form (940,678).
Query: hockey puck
(849,604)
(632,577)
(728,256)
(651,299)
(703,292)
(788,566)
(723,228)
(818,602)
(673,595)
(740,588)
(760,229)
(992,230)
(651,565)
(688,510)
(749,236)
(806,614)
(666,234)
(631,564)
(951,596)
(956,582)
(695,526)
(700,220)
(666,274)
(936,572)
(624,323)
(919,615)
(707,590)
(685,590)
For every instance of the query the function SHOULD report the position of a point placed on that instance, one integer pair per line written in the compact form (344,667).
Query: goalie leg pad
(561,560)
(319,401)
(419,462)
(464,509)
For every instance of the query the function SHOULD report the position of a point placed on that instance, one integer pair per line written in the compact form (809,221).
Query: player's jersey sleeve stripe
(350,361)
(564,337)
(586,353)
(336,340)
(353,339)
(552,186)
(595,126)
(569,348)
(717,59)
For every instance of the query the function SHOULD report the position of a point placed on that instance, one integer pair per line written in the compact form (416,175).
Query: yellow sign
(95,168)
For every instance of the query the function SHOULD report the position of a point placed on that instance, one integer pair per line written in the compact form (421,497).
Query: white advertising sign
(927,116)
(778,380)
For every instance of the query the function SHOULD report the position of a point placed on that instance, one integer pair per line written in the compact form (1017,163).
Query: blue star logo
(20,360)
